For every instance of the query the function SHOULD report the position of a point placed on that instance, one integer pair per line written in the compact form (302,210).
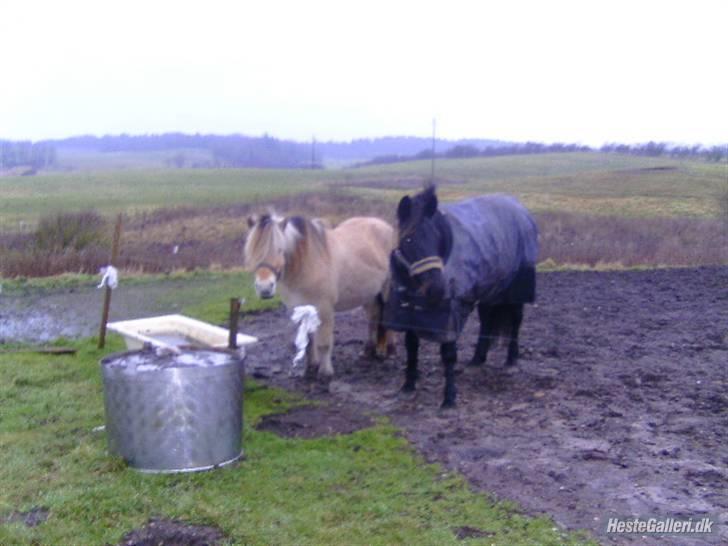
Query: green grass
(369,487)
(27,199)
(209,300)
(597,183)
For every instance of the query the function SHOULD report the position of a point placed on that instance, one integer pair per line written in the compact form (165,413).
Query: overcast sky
(545,70)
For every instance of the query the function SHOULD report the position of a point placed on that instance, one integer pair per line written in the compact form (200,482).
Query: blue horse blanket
(492,261)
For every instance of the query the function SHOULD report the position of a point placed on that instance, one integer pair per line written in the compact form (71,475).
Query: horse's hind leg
(516,312)
(412,344)
(483,344)
(374,313)
(379,342)
(449,355)
(312,361)
(384,338)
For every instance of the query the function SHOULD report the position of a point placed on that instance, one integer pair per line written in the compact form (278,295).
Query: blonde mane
(301,240)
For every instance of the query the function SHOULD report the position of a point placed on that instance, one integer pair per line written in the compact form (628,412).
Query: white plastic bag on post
(308,322)
(110,277)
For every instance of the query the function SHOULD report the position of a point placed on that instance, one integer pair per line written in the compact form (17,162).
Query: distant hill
(180,150)
(263,151)
(183,149)
(365,149)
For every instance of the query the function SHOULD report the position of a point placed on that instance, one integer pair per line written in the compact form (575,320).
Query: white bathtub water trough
(174,330)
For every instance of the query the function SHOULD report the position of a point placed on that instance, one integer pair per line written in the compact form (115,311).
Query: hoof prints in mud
(315,421)
(167,531)
(31,518)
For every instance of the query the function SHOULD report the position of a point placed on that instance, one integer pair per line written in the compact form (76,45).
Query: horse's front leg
(379,343)
(412,344)
(449,355)
(373,313)
(325,343)
(312,359)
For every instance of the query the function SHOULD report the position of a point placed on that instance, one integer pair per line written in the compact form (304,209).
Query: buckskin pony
(481,253)
(332,269)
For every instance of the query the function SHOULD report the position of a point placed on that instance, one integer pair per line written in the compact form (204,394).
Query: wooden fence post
(233,323)
(107,290)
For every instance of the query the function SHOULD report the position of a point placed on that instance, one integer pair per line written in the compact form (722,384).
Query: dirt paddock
(618,407)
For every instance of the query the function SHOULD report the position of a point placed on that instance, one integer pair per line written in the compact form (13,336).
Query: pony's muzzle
(265,289)
(432,287)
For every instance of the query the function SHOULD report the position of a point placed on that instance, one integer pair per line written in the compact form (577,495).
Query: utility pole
(313,152)
(432,168)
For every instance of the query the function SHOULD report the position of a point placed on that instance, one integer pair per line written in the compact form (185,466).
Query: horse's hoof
(322,383)
(448,406)
(370,351)
(309,375)
(407,395)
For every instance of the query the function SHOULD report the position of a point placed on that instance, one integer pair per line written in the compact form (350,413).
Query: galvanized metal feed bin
(174,412)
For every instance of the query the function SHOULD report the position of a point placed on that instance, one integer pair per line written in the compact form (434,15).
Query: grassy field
(26,199)
(592,208)
(590,183)
(369,487)
(586,182)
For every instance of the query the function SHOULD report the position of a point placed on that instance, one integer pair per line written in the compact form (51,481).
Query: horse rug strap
(426,264)
(420,266)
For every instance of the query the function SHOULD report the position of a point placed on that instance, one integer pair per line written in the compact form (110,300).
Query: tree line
(225,150)
(650,149)
(269,152)
(658,149)
(37,155)
(263,151)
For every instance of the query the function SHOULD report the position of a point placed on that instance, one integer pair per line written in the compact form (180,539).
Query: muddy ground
(618,407)
(160,531)
(619,404)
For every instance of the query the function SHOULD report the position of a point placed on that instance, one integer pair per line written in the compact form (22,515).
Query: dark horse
(481,253)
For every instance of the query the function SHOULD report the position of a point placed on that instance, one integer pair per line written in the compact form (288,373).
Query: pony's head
(269,240)
(278,248)
(425,242)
